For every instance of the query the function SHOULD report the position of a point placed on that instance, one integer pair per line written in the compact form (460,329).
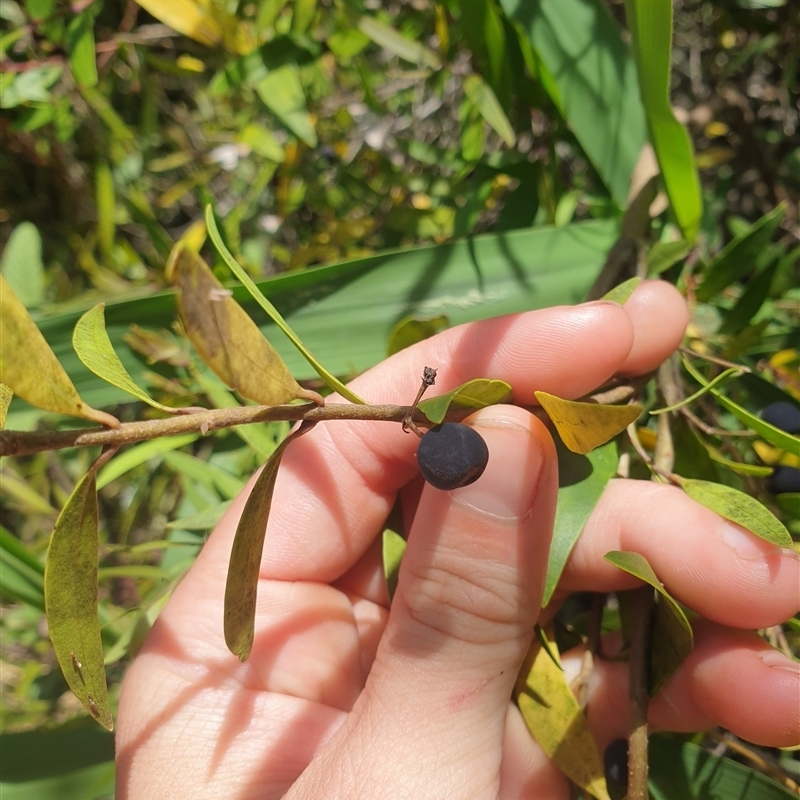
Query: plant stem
(643,604)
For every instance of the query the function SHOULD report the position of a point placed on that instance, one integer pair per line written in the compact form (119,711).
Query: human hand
(344,698)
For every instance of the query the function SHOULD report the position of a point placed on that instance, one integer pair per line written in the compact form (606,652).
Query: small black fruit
(452,455)
(785,416)
(784,480)
(615,763)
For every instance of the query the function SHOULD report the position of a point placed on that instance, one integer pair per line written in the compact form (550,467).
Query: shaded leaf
(20,573)
(393,41)
(156,347)
(70,592)
(739,256)
(671,638)
(581,481)
(281,92)
(411,330)
(30,368)
(21,264)
(621,292)
(484,99)
(227,338)
(584,426)
(555,720)
(242,583)
(738,507)
(751,301)
(393,545)
(273,313)
(664,255)
(95,350)
(5,401)
(474,394)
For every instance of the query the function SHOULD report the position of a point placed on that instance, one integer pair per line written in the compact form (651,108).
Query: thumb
(432,715)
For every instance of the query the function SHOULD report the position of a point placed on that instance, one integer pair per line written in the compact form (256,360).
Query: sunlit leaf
(393,545)
(740,508)
(227,338)
(484,99)
(584,426)
(672,639)
(81,48)
(245,562)
(281,92)
(581,481)
(555,720)
(106,208)
(411,330)
(30,368)
(621,292)
(395,42)
(95,350)
(192,19)
(70,591)
(5,401)
(21,264)
(474,394)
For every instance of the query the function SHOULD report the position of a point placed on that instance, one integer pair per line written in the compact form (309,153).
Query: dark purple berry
(783,415)
(615,764)
(784,480)
(452,455)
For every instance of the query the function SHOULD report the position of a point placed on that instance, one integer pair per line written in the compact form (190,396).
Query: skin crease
(343,698)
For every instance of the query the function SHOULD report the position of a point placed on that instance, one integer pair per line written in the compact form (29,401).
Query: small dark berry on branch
(615,763)
(784,480)
(783,415)
(452,455)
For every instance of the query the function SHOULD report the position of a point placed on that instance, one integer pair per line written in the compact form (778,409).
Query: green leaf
(664,255)
(621,292)
(70,592)
(740,508)
(106,209)
(30,368)
(141,454)
(751,301)
(20,573)
(203,520)
(732,372)
(581,46)
(584,426)
(650,25)
(393,545)
(396,43)
(740,255)
(96,352)
(472,395)
(248,544)
(484,99)
(265,304)
(21,264)
(581,482)
(671,639)
(205,473)
(281,92)
(81,49)
(411,330)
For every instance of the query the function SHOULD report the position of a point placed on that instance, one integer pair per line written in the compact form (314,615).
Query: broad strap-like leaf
(242,584)
(671,639)
(70,594)
(97,354)
(472,395)
(30,368)
(227,338)
(584,426)
(740,508)
(555,720)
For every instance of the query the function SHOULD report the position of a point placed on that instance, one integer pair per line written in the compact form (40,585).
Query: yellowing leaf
(5,401)
(226,338)
(91,343)
(70,595)
(555,720)
(474,394)
(30,368)
(248,544)
(187,17)
(584,426)
(484,99)
(740,508)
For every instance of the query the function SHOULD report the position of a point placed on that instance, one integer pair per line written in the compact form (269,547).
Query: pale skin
(344,698)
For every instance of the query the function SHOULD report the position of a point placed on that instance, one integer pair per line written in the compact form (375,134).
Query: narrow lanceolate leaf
(555,720)
(621,292)
(584,426)
(672,639)
(484,99)
(30,368)
(95,350)
(740,508)
(393,545)
(733,372)
(474,394)
(581,482)
(70,594)
(242,584)
(650,24)
(5,401)
(394,41)
(227,338)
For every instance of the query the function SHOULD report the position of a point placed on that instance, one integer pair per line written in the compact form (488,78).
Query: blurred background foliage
(371,137)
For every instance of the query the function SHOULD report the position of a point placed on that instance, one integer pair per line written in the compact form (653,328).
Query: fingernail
(777,660)
(746,544)
(508,485)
